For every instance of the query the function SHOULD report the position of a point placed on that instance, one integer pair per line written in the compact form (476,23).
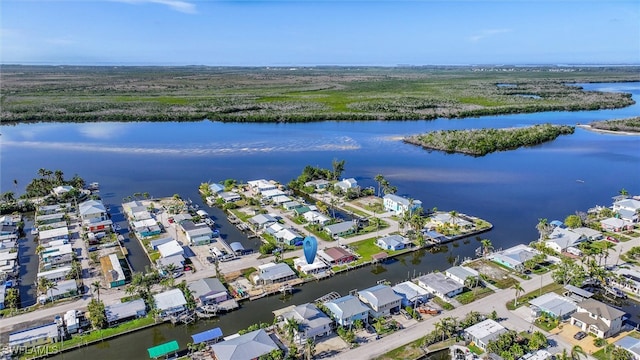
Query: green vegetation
(52,93)
(480,142)
(628,125)
(98,335)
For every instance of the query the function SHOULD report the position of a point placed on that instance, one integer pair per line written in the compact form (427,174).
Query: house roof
(554,304)
(229,195)
(169,299)
(206,286)
(302,265)
(273,271)
(196,230)
(58,232)
(248,346)
(630,204)
(177,260)
(614,222)
(346,307)
(588,232)
(315,216)
(91,207)
(440,283)
(63,287)
(261,219)
(600,309)
(630,344)
(216,188)
(340,227)
(461,272)
(170,248)
(163,349)
(124,310)
(515,255)
(111,268)
(486,330)
(379,295)
(337,253)
(61,270)
(410,291)
(402,200)
(39,332)
(564,237)
(392,240)
(308,315)
(208,335)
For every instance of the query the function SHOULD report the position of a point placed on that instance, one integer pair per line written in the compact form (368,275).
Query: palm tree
(291,326)
(310,348)
(59,177)
(379,179)
(577,352)
(518,288)
(544,229)
(95,287)
(486,245)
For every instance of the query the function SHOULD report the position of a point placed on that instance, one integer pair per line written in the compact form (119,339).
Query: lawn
(97,335)
(473,295)
(524,299)
(366,248)
(411,350)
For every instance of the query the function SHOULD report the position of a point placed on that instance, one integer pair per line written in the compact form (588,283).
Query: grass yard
(471,295)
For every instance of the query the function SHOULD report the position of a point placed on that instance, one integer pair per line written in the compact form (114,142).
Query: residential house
(176,261)
(50,219)
(481,333)
(112,271)
(563,238)
(216,188)
(170,302)
(318,266)
(170,248)
(627,209)
(341,228)
(442,218)
(281,199)
(284,235)
(314,217)
(347,309)
(230,196)
(271,194)
(120,312)
(301,210)
(52,209)
(271,273)
(251,345)
(514,257)
(63,289)
(598,318)
(588,233)
(208,291)
(346,184)
(56,274)
(461,274)
(400,205)
(35,336)
(155,243)
(61,190)
(631,280)
(8,229)
(291,205)
(130,207)
(197,234)
(261,185)
(381,299)
(317,184)
(336,256)
(631,344)
(71,321)
(94,215)
(47,236)
(146,228)
(392,242)
(440,285)
(411,293)
(262,221)
(616,224)
(553,305)
(55,256)
(312,322)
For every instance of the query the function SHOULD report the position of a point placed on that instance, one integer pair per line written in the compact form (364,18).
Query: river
(510,189)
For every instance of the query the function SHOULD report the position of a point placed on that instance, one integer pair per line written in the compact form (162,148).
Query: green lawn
(473,295)
(97,335)
(366,248)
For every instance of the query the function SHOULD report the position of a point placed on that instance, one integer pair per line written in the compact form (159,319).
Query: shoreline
(603,131)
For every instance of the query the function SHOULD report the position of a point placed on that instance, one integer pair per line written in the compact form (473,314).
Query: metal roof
(163,349)
(208,335)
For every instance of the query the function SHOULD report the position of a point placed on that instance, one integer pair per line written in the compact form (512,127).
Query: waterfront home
(284,235)
(216,188)
(54,256)
(627,279)
(411,294)
(112,271)
(155,243)
(47,236)
(588,233)
(7,220)
(318,266)
(291,205)
(381,299)
(8,229)
(317,184)
(442,218)
(176,261)
(208,337)
(146,228)
(8,245)
(55,275)
(125,311)
(62,289)
(341,228)
(347,309)
(616,224)
(200,234)
(336,256)
(35,336)
(631,344)
(393,242)
(50,219)
(461,274)
(627,209)
(314,217)
(272,194)
(301,210)
(170,248)
(208,291)
(575,293)
(262,221)
(261,185)
(281,199)
(483,332)
(311,321)
(514,257)
(598,318)
(440,285)
(129,208)
(71,321)
(251,345)
(182,217)
(170,302)
(346,184)
(271,273)
(230,196)
(92,211)
(553,305)
(52,209)
(562,238)
(61,190)
(400,205)
(237,248)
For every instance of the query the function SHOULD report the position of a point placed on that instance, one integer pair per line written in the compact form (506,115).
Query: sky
(324,32)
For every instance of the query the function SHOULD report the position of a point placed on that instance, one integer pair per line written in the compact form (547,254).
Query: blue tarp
(208,335)
(557,223)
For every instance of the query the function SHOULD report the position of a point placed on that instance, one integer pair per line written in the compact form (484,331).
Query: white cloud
(487,33)
(177,5)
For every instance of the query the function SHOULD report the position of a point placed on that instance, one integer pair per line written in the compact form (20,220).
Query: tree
(537,341)
(573,221)
(310,348)
(95,287)
(12,299)
(291,326)
(379,179)
(486,245)
(338,168)
(97,315)
(623,192)
(518,288)
(568,272)
(58,177)
(544,229)
(577,353)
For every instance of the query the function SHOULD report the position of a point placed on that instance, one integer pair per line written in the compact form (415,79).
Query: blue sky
(330,32)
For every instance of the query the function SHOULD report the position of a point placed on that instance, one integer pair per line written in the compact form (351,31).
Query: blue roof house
(347,309)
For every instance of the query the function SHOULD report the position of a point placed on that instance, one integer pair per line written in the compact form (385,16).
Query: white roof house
(270,273)
(514,257)
(208,290)
(280,199)
(411,293)
(171,301)
(318,265)
(62,189)
(312,321)
(399,204)
(315,217)
(54,234)
(562,238)
(127,310)
(554,305)
(440,285)
(261,185)
(34,336)
(346,184)
(347,309)
(55,274)
(381,299)
(270,194)
(461,273)
(92,211)
(631,277)
(262,221)
(393,242)
(588,233)
(170,248)
(248,346)
(483,332)
(627,206)
(341,228)
(615,224)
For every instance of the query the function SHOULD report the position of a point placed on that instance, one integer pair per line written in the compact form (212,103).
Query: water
(510,189)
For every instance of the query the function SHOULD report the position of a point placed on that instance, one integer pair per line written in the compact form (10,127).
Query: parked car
(612,239)
(580,335)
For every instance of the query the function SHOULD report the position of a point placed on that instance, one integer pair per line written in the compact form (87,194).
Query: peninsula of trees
(194,93)
(631,125)
(479,142)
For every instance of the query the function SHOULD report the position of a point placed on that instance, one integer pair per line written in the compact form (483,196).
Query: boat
(34,231)
(285,289)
